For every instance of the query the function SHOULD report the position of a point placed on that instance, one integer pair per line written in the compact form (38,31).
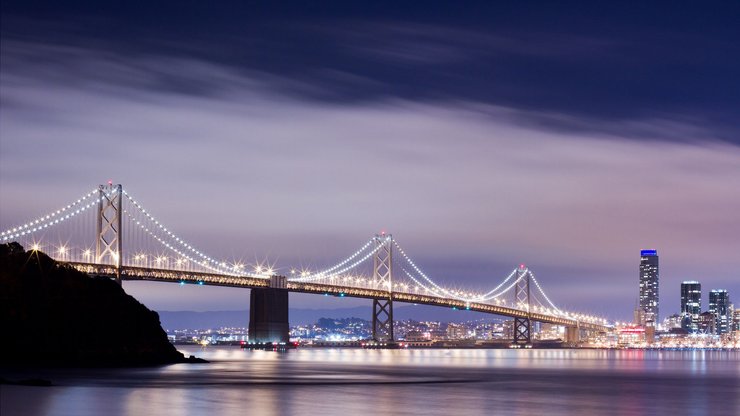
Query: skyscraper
(649,287)
(719,305)
(691,303)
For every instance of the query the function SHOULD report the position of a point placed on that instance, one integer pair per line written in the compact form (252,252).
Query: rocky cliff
(53,315)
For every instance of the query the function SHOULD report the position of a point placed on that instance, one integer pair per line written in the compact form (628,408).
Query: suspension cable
(49,220)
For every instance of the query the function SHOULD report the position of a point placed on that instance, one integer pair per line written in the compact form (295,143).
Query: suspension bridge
(107,232)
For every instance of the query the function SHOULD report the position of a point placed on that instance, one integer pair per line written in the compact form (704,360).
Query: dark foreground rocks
(51,315)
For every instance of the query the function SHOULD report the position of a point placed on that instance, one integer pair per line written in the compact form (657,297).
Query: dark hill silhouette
(54,315)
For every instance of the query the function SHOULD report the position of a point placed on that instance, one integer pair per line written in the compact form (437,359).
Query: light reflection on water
(430,382)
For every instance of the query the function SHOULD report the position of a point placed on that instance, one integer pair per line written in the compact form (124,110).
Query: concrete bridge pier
(572,335)
(268,312)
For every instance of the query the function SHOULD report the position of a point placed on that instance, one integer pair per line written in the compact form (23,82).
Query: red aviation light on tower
(110,182)
(522,266)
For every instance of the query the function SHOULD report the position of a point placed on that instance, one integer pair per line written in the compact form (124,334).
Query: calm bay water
(428,382)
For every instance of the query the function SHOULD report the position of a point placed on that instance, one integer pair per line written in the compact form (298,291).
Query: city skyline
(298,167)
(433,208)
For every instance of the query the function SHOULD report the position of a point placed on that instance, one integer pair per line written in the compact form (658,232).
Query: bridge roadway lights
(268,312)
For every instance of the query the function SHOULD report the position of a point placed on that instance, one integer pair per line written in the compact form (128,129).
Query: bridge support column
(383,320)
(382,273)
(522,325)
(268,312)
(572,335)
(522,331)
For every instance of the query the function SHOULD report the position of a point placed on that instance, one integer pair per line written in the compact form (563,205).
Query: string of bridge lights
(483,296)
(421,285)
(411,263)
(180,253)
(77,207)
(164,229)
(306,276)
(469,299)
(537,284)
(323,275)
(46,221)
(452,294)
(518,279)
(447,292)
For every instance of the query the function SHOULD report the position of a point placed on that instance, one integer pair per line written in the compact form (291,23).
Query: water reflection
(430,382)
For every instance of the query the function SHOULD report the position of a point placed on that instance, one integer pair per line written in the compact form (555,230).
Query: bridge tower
(108,244)
(382,272)
(522,325)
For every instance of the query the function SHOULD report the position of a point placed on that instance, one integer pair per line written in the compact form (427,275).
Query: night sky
(481,135)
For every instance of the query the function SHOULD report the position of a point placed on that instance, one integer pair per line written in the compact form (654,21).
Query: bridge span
(256,282)
(107,232)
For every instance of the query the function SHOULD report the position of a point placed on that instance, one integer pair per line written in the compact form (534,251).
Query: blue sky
(483,136)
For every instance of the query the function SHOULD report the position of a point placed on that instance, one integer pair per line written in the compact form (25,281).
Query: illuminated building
(706,323)
(457,331)
(638,315)
(691,304)
(649,293)
(631,335)
(417,336)
(719,306)
(673,321)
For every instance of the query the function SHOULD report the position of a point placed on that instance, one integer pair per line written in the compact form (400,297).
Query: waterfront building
(508,329)
(418,336)
(638,316)
(551,331)
(706,324)
(457,331)
(719,306)
(674,321)
(736,320)
(631,335)
(691,304)
(649,293)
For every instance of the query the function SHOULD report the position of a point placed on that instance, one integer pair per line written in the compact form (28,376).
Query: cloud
(426,45)
(576,77)
(467,188)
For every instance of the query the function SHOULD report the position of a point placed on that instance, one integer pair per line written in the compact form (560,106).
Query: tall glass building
(719,305)
(649,294)
(691,303)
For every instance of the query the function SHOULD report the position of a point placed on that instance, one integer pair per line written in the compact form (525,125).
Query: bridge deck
(214,279)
